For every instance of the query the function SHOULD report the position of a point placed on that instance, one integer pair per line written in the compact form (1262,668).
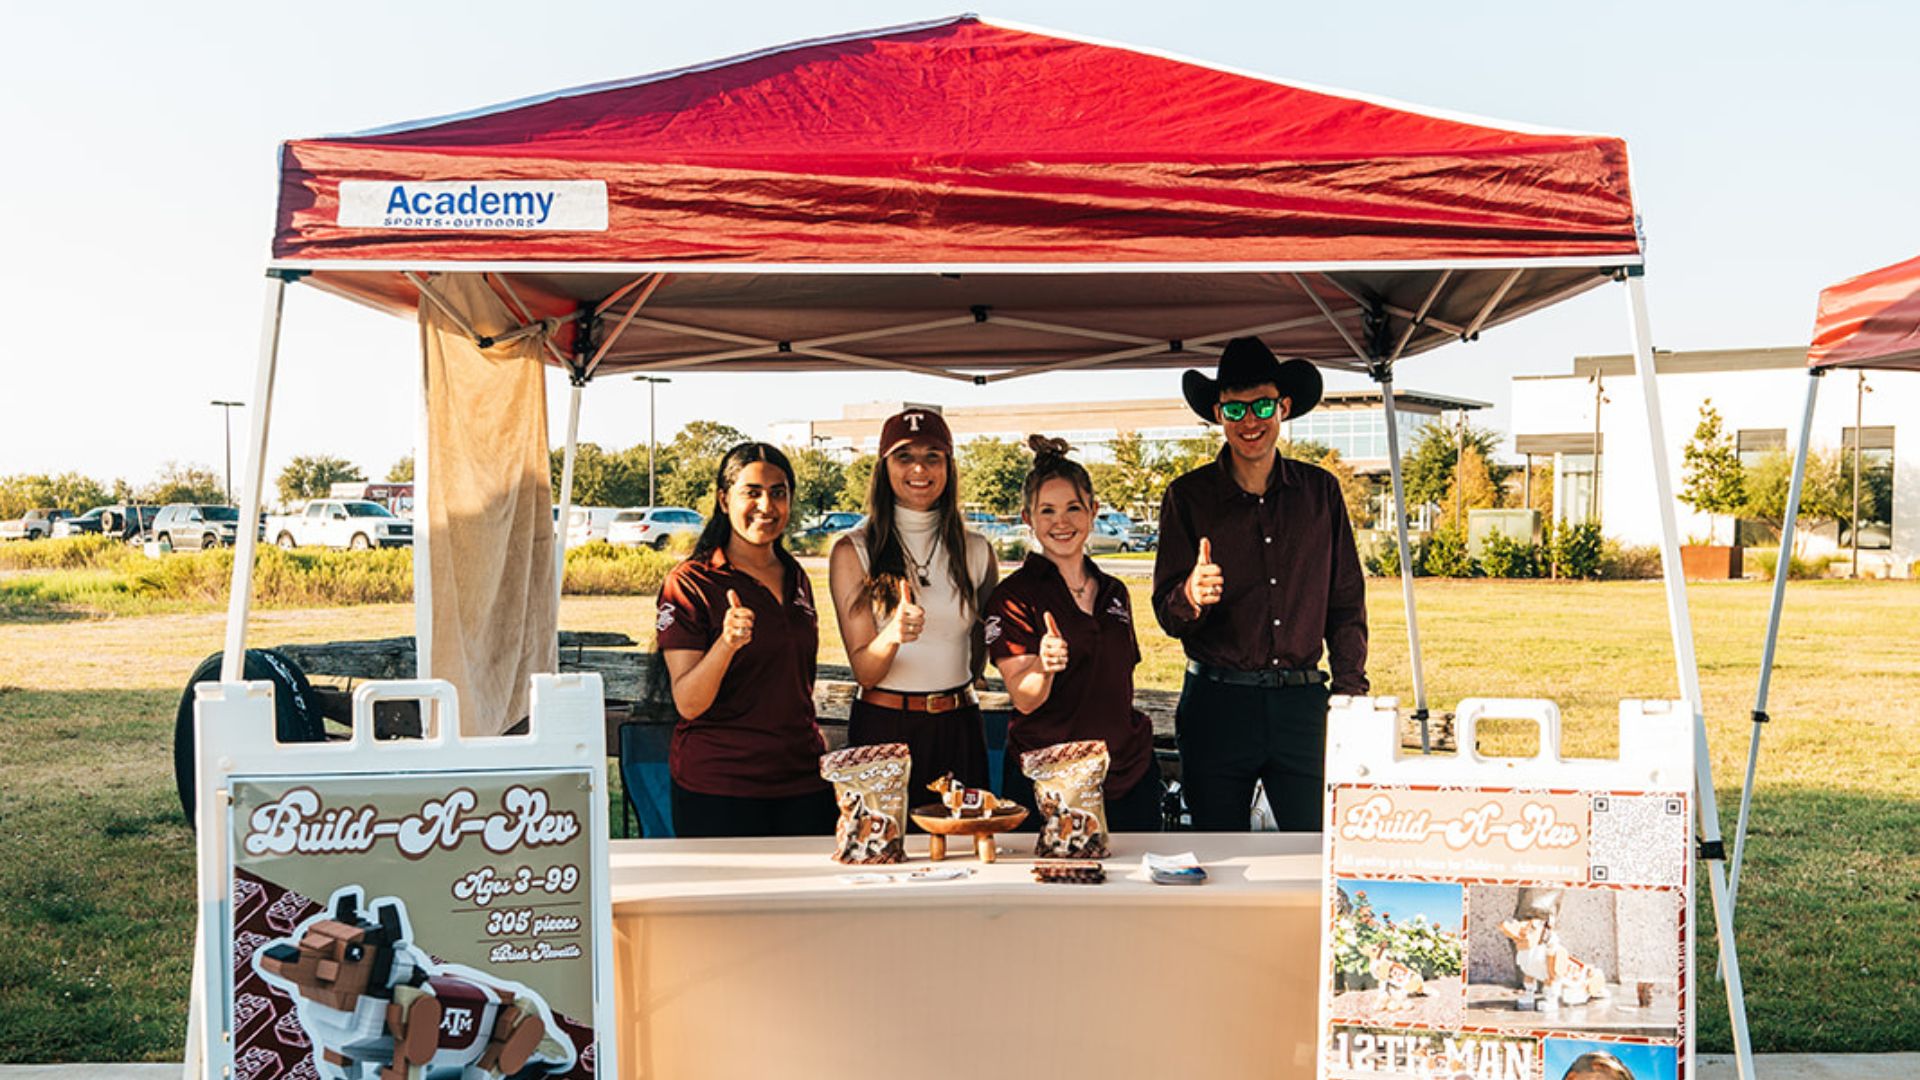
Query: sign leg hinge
(1760,716)
(1713,851)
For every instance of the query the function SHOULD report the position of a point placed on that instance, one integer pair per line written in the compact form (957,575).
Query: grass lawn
(96,865)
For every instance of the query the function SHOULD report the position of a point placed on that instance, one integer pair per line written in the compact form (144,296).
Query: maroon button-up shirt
(1291,571)
(758,739)
(1093,697)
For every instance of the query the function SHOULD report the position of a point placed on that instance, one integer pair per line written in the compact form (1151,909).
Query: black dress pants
(1230,736)
(696,814)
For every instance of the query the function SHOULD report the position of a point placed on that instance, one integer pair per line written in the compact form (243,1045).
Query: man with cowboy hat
(1256,571)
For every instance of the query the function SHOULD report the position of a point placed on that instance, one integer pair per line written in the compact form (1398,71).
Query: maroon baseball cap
(915,425)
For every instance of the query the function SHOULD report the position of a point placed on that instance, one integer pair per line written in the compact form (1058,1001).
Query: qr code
(1638,840)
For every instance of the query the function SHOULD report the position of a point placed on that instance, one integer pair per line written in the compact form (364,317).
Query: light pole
(226,416)
(651,381)
(1860,392)
(1593,482)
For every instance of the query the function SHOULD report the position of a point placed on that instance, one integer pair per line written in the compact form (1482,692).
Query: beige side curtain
(489,507)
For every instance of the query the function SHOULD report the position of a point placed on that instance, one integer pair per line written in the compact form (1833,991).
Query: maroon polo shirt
(1293,580)
(759,738)
(1093,697)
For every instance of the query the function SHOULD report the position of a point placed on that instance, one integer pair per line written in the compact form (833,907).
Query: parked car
(340,523)
(126,520)
(35,525)
(195,526)
(585,524)
(1109,533)
(1143,536)
(653,526)
(831,524)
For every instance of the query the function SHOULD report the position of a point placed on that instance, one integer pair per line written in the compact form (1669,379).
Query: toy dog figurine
(1068,831)
(1398,982)
(1546,966)
(370,1000)
(963,801)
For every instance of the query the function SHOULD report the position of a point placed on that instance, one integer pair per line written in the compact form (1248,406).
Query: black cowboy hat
(1246,361)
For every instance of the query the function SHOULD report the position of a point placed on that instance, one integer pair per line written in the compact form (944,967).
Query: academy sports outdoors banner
(1505,932)
(440,920)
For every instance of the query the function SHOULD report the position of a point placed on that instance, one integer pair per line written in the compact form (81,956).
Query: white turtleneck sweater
(939,658)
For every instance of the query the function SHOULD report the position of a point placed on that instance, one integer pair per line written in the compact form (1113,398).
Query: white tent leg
(1680,624)
(1780,569)
(422,555)
(1406,562)
(560,527)
(240,592)
(239,602)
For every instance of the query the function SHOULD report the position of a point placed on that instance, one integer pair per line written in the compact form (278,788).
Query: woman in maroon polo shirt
(1061,633)
(737,637)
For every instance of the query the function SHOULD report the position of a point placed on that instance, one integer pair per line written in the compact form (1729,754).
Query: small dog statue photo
(863,835)
(1398,982)
(375,1005)
(1548,969)
(962,801)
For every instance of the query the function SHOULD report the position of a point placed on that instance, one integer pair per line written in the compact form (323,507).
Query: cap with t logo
(915,425)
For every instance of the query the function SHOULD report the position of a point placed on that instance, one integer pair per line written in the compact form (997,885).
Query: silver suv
(195,526)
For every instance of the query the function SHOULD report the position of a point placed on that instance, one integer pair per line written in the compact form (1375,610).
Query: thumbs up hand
(909,618)
(1205,583)
(1053,648)
(737,628)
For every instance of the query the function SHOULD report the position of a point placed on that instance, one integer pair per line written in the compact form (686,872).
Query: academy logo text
(475,205)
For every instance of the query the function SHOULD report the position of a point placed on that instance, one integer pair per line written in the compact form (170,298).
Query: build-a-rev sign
(475,205)
(443,921)
(1479,927)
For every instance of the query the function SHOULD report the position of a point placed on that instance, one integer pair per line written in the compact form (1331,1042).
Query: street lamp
(226,415)
(651,381)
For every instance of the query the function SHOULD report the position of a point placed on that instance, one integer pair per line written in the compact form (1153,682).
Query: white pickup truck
(341,523)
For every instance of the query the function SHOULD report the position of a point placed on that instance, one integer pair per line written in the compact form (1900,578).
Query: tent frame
(1372,353)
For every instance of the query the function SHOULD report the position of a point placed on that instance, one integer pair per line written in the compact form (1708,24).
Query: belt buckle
(939,703)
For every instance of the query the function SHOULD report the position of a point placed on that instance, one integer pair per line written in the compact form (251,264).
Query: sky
(1440,902)
(1773,149)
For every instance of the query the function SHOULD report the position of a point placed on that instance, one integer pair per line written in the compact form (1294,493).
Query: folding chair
(643,772)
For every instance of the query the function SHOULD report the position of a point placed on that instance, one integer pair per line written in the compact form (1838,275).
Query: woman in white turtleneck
(909,585)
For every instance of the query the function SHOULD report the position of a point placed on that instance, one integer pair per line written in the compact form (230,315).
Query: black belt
(1269,677)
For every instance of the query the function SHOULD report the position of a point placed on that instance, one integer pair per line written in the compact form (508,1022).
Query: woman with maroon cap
(737,637)
(1061,633)
(908,585)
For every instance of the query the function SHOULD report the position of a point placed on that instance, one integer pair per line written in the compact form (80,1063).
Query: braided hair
(1050,462)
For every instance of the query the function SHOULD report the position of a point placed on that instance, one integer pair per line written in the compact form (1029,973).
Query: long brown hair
(887,562)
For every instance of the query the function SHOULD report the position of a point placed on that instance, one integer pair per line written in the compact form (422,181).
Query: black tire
(284,540)
(296,712)
(110,523)
(166,543)
(661,544)
(360,542)
(209,542)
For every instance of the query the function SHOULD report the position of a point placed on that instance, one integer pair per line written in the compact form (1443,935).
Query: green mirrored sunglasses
(1237,410)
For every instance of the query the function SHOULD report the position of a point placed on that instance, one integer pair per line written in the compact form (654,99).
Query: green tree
(1427,468)
(185,483)
(858,479)
(1711,478)
(66,491)
(401,472)
(689,461)
(1355,492)
(600,477)
(1473,490)
(819,481)
(992,472)
(1137,477)
(313,476)
(1826,494)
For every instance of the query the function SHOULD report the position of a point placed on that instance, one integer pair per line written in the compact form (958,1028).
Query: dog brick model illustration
(1548,968)
(1398,982)
(863,835)
(1068,831)
(963,801)
(375,1005)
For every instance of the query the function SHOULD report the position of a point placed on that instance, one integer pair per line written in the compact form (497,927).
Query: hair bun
(1042,446)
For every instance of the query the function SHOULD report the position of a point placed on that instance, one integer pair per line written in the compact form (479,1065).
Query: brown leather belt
(926,703)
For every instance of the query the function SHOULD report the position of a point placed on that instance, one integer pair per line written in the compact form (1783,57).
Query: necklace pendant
(925,582)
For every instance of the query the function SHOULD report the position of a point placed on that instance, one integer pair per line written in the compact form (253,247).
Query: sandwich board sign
(1507,918)
(437,904)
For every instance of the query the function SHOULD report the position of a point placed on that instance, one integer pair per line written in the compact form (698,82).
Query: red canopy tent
(973,200)
(1868,321)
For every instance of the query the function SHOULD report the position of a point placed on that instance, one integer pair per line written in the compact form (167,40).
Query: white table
(755,959)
